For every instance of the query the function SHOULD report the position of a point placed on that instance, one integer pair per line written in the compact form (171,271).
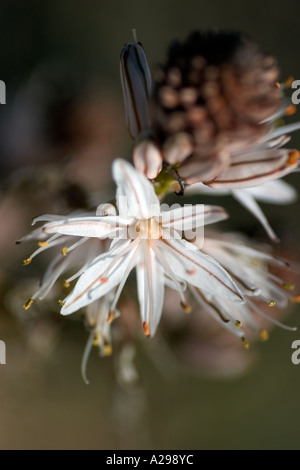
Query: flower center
(149,228)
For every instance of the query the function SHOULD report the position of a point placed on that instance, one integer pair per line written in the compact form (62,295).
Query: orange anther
(146,328)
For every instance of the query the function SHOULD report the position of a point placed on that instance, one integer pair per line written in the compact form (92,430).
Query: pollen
(61,303)
(42,244)
(288,83)
(264,335)
(272,303)
(96,340)
(107,350)
(110,316)
(28,304)
(246,343)
(146,328)
(187,308)
(238,324)
(293,158)
(66,284)
(290,110)
(286,285)
(64,251)
(27,261)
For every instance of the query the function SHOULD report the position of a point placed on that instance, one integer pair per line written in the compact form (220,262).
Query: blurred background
(61,126)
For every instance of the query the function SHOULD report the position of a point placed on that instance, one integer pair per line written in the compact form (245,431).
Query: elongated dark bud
(136,85)
(137,88)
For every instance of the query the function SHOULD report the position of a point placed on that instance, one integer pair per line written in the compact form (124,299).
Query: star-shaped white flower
(273,191)
(149,239)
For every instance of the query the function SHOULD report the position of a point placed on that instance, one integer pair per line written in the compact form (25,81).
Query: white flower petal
(248,201)
(274,192)
(200,188)
(135,194)
(191,216)
(98,227)
(253,168)
(151,286)
(200,270)
(104,274)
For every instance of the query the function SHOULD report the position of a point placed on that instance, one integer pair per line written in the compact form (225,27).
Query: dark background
(43,400)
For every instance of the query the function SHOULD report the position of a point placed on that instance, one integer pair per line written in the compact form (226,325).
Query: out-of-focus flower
(212,112)
(143,237)
(202,344)
(251,268)
(274,192)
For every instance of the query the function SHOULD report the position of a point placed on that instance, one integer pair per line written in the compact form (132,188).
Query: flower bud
(136,85)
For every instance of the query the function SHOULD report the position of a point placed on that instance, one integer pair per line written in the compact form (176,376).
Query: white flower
(250,268)
(274,191)
(148,239)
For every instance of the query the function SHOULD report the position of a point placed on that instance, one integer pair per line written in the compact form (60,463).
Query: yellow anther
(64,251)
(61,303)
(107,350)
(42,244)
(96,340)
(66,284)
(187,308)
(264,335)
(238,324)
(28,304)
(272,303)
(146,328)
(110,317)
(286,285)
(27,261)
(245,342)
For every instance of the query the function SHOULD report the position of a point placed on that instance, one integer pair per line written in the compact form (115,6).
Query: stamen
(146,328)
(110,316)
(66,284)
(264,335)
(28,304)
(27,261)
(293,158)
(296,298)
(96,340)
(245,342)
(272,303)
(107,350)
(290,110)
(288,83)
(187,308)
(277,85)
(61,303)
(42,244)
(286,285)
(64,251)
(238,324)
(103,280)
